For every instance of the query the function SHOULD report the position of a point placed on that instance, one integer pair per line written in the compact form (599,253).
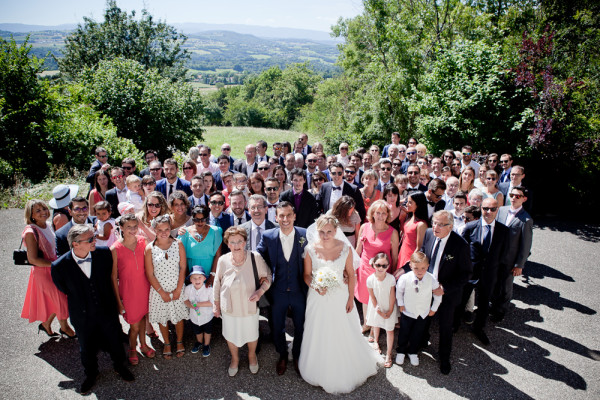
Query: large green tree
(151,110)
(152,44)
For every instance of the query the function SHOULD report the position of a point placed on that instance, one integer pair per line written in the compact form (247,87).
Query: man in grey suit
(520,227)
(257,205)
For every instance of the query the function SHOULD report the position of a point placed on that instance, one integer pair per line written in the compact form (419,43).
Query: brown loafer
(281,366)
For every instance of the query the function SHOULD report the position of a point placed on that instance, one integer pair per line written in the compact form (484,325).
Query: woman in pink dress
(375,236)
(414,228)
(43,301)
(130,284)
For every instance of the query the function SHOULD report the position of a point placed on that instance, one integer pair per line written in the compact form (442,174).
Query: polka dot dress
(166,270)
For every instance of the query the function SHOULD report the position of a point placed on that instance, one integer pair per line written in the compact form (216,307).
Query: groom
(283,250)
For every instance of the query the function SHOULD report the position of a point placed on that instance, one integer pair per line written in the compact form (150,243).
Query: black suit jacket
(248,227)
(242,166)
(421,188)
(70,279)
(62,244)
(309,208)
(486,264)
(455,267)
(113,200)
(347,190)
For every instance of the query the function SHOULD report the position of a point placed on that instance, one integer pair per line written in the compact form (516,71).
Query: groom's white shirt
(287,243)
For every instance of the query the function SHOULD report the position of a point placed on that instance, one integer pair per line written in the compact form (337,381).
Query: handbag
(262,302)
(20,255)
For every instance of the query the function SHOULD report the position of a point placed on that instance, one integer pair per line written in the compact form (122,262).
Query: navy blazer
(309,208)
(347,190)
(455,267)
(62,244)
(485,265)
(180,184)
(93,169)
(70,279)
(270,246)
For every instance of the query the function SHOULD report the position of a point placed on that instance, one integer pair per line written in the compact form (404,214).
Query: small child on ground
(135,192)
(105,225)
(413,292)
(199,299)
(381,311)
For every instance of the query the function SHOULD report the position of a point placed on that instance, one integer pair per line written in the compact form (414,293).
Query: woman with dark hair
(202,242)
(280,174)
(102,183)
(286,147)
(316,181)
(414,228)
(189,169)
(178,207)
(447,157)
(349,220)
(391,195)
(256,184)
(492,162)
(209,182)
(455,167)
(148,184)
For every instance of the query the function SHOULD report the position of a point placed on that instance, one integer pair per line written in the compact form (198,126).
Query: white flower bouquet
(325,278)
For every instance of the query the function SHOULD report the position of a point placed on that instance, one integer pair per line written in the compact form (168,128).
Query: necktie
(258,235)
(170,190)
(436,247)
(239,221)
(487,239)
(89,259)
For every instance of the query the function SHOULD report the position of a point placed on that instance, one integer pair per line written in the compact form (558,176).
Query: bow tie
(409,189)
(431,203)
(89,259)
(271,205)
(513,212)
(124,190)
(337,188)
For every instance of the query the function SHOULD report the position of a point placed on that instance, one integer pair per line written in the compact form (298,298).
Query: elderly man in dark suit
(305,204)
(332,191)
(84,275)
(79,210)
(450,262)
(520,237)
(488,240)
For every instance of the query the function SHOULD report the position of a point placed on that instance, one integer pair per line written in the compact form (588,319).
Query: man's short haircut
(172,161)
(444,214)
(155,164)
(129,160)
(118,169)
(475,192)
(99,150)
(461,195)
(271,179)
(467,147)
(356,154)
(237,193)
(396,134)
(222,157)
(262,144)
(217,193)
(520,168)
(77,231)
(336,165)
(258,198)
(476,211)
(436,184)
(413,165)
(226,175)
(298,172)
(77,199)
(385,161)
(521,189)
(150,151)
(238,175)
(298,157)
(198,178)
(506,155)
(283,204)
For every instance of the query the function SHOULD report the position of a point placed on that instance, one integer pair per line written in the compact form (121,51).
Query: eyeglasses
(416,282)
(148,183)
(456,164)
(263,168)
(126,168)
(492,209)
(198,220)
(155,169)
(437,196)
(153,205)
(90,240)
(439,224)
(117,177)
(335,173)
(217,203)
(349,171)
(504,161)
(80,209)
(466,153)
(204,154)
(385,168)
(515,196)
(343,148)
(397,165)
(381,265)
(448,156)
(492,160)
(187,168)
(271,189)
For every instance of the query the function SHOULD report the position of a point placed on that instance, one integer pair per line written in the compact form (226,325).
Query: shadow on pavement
(540,271)
(586,232)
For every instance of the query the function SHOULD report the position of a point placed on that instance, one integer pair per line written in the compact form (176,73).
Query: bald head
(489,209)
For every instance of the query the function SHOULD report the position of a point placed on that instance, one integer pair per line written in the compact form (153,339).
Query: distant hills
(241,48)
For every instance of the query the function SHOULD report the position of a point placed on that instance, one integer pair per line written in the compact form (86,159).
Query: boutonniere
(302,241)
(449,257)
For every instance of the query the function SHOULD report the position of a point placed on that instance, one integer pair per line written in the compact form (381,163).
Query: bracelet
(213,273)
(159,289)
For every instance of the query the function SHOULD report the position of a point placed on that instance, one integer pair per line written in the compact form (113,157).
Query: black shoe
(64,334)
(481,335)
(469,317)
(41,328)
(455,327)
(125,374)
(445,367)
(496,318)
(87,385)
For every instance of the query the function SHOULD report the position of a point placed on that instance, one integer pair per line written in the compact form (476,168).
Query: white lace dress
(334,353)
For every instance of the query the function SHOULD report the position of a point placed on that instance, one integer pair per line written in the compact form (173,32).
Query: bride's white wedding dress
(334,353)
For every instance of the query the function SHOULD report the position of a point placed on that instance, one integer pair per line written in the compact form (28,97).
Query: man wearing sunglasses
(128,166)
(506,164)
(226,151)
(385,174)
(151,156)
(118,194)
(332,191)
(305,204)
(467,159)
(97,165)
(517,174)
(79,210)
(435,192)
(520,225)
(488,240)
(272,189)
(205,164)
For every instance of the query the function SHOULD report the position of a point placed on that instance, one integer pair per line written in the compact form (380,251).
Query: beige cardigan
(233,286)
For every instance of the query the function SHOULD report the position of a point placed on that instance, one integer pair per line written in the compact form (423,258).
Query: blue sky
(302,14)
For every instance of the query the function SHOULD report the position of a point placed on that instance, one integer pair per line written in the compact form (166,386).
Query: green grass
(18,195)
(239,137)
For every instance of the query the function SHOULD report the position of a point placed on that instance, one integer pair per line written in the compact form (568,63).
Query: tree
(24,107)
(151,110)
(152,44)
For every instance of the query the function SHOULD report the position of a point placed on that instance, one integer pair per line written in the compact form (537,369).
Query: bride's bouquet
(325,278)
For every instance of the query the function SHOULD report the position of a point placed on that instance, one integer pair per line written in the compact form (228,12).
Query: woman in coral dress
(131,286)
(414,227)
(375,236)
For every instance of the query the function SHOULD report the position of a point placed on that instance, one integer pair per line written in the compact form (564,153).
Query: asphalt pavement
(548,347)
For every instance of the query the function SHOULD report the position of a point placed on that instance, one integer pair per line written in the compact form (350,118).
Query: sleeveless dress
(381,290)
(370,247)
(43,298)
(334,353)
(166,270)
(409,242)
(134,288)
(202,253)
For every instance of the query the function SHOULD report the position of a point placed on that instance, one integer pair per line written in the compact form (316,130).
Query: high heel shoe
(42,328)
(64,334)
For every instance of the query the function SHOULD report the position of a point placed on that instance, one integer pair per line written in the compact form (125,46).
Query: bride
(334,354)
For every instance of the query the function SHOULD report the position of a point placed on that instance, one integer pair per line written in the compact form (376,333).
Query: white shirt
(442,246)
(122,194)
(199,201)
(472,164)
(250,167)
(417,303)
(335,194)
(459,222)
(86,267)
(287,243)
(484,229)
(271,211)
(511,215)
(198,296)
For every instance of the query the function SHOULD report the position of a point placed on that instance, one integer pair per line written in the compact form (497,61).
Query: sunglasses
(311,160)
(155,169)
(217,203)
(401,151)
(153,205)
(204,154)
(263,168)
(397,165)
(381,265)
(187,168)
(385,168)
(90,240)
(492,209)
(490,178)
(148,183)
(226,149)
(104,156)
(126,168)
(271,189)
(411,152)
(466,154)
(198,220)
(117,177)
(349,171)
(318,179)
(80,209)
(455,165)
(504,161)
(335,173)
(515,196)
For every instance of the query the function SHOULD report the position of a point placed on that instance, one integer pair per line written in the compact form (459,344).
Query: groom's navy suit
(288,289)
